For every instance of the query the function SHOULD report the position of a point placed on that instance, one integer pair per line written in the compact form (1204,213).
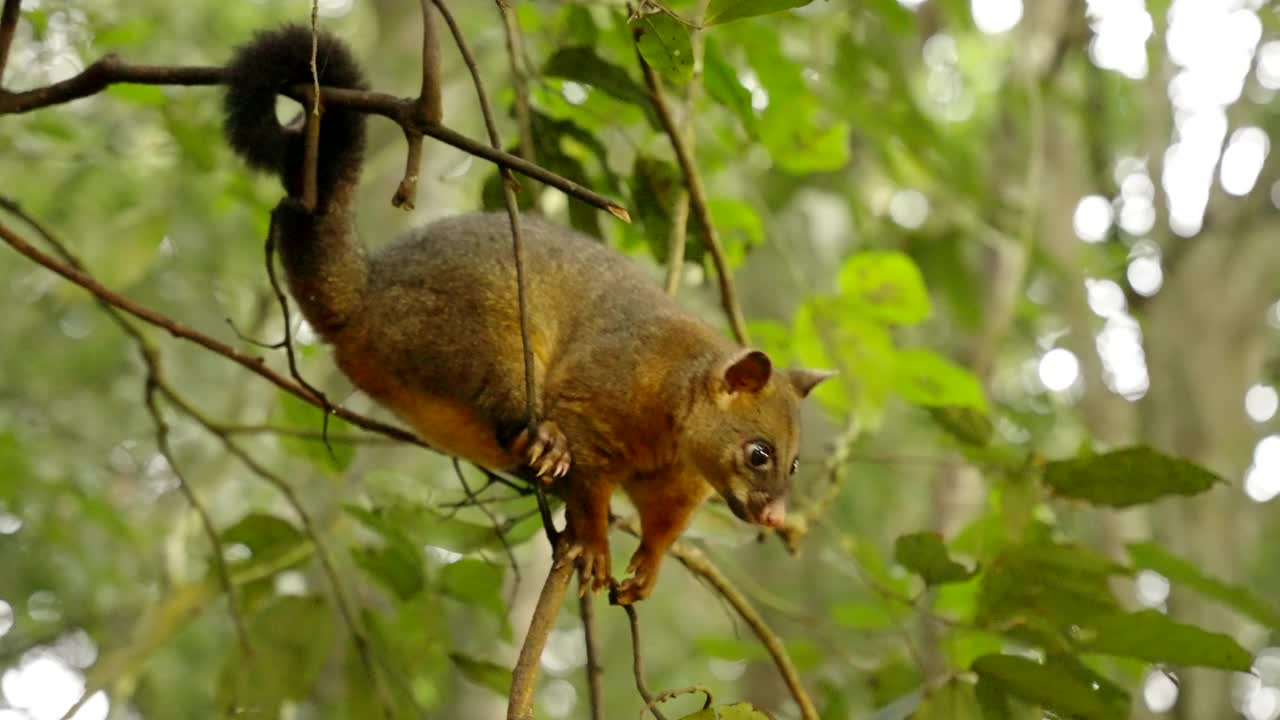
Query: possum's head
(743,433)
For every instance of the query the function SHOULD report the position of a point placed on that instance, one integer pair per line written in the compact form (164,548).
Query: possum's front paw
(643,572)
(546,451)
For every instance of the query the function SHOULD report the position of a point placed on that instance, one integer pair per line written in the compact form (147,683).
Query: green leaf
(1049,688)
(291,636)
(723,11)
(476,583)
(1126,477)
(886,286)
(739,226)
(924,377)
(583,65)
(807,150)
(424,525)
(954,700)
(1045,587)
(925,554)
(965,424)
(483,673)
(740,711)
(1181,572)
(296,413)
(268,537)
(664,43)
(1151,636)
(654,184)
(396,565)
(722,84)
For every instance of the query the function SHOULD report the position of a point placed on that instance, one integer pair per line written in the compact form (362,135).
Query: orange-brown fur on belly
(443,423)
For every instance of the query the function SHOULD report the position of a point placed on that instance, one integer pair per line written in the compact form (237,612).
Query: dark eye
(795,465)
(759,455)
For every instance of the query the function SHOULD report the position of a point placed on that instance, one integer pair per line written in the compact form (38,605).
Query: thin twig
(151,359)
(524,678)
(206,521)
(345,610)
(493,521)
(407,191)
(637,665)
(430,105)
(178,330)
(595,691)
(269,250)
(111,70)
(699,564)
(517,247)
(698,202)
(310,158)
(519,80)
(8,24)
(678,235)
(798,525)
(666,695)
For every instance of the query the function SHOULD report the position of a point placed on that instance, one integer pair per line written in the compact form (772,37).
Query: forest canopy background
(1037,240)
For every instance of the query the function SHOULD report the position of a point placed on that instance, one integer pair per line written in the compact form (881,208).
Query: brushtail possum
(633,392)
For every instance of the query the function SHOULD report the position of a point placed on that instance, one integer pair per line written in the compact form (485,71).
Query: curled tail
(324,261)
(273,61)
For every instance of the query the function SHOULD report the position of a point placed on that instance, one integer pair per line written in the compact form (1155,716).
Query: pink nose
(774,514)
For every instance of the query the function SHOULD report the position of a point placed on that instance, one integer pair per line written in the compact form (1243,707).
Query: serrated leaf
(740,711)
(886,286)
(664,43)
(925,555)
(1180,572)
(1127,477)
(723,11)
(1149,635)
(924,377)
(953,700)
(483,673)
(1053,690)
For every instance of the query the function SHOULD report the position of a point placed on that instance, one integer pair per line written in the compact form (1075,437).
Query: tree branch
(524,678)
(404,112)
(8,24)
(595,692)
(698,202)
(637,665)
(699,564)
(178,330)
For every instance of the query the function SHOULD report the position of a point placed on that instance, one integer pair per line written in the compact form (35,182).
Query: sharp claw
(548,464)
(562,468)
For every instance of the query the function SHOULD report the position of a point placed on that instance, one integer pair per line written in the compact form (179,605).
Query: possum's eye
(759,454)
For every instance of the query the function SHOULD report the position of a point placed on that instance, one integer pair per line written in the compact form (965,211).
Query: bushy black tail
(259,70)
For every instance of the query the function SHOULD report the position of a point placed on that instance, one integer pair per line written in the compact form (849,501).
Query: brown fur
(647,397)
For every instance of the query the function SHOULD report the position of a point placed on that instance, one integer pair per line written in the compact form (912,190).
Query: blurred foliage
(951,570)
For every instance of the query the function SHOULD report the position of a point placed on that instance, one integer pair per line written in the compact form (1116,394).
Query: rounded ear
(748,371)
(805,380)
